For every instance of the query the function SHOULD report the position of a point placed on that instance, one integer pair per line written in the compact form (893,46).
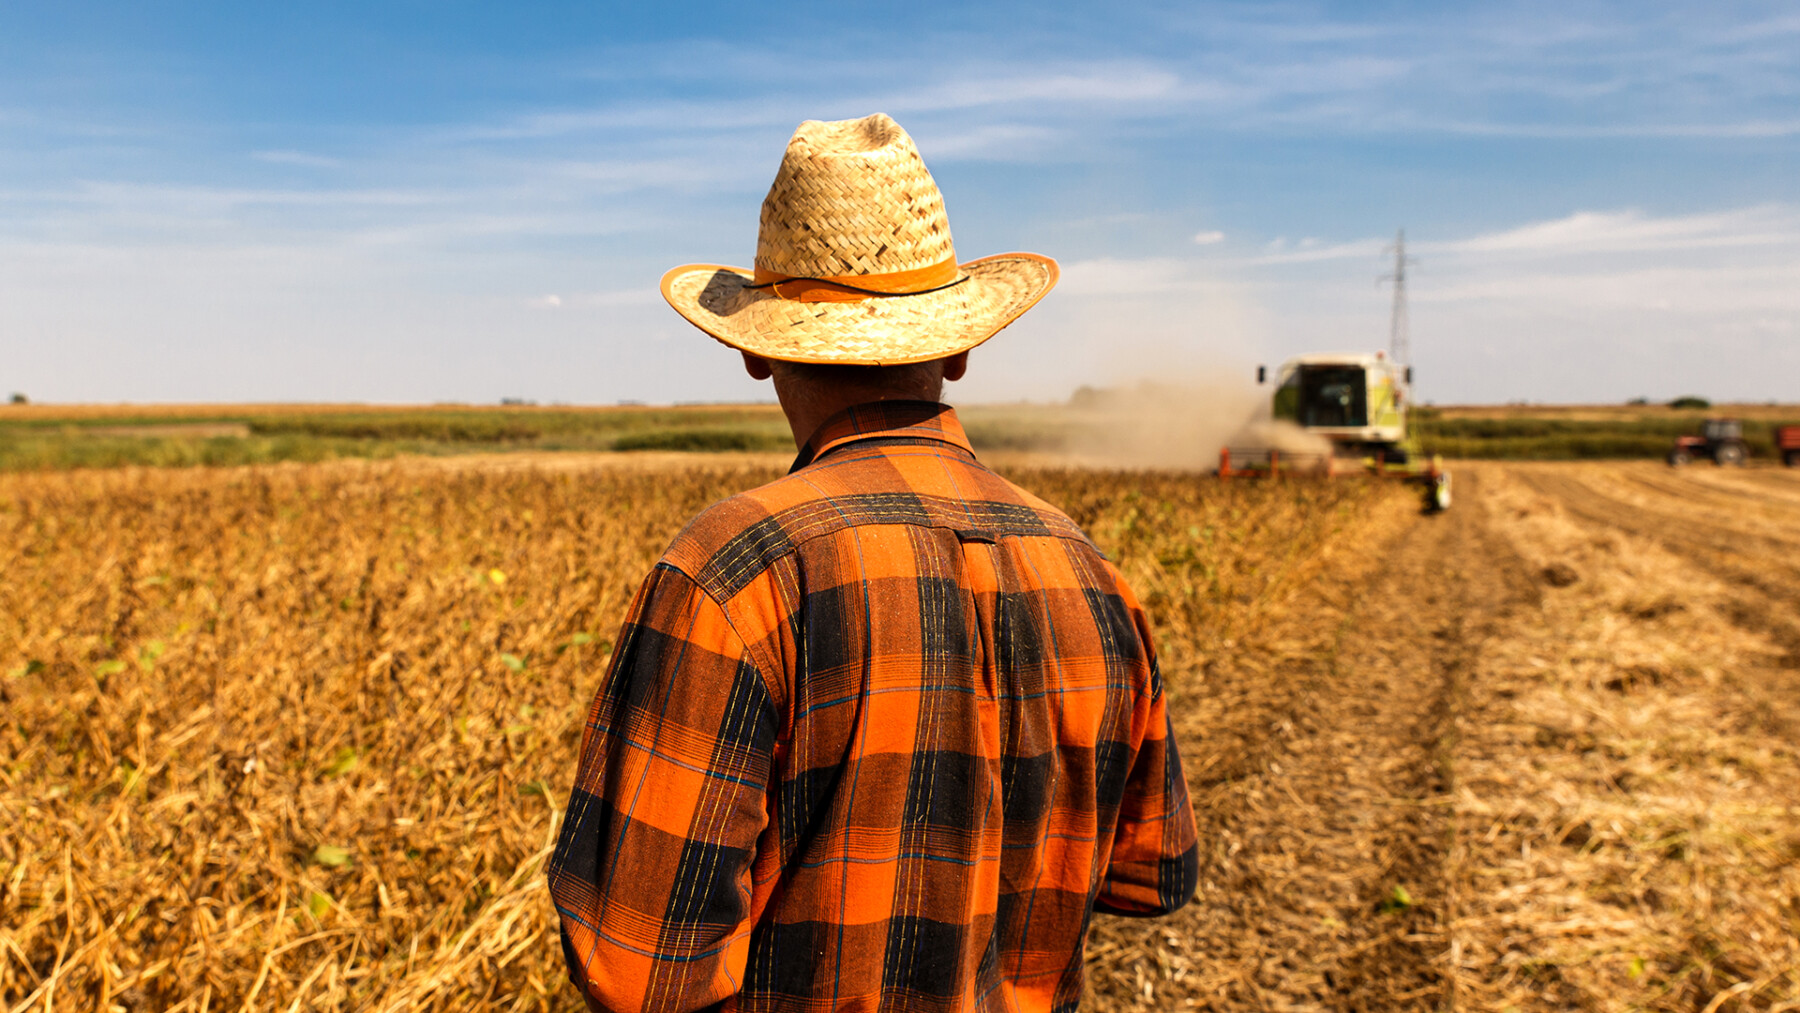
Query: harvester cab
(1358,402)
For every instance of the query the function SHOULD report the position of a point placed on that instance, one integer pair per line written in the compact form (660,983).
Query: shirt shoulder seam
(778,695)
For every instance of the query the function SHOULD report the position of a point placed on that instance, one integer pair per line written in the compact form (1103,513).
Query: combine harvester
(1358,404)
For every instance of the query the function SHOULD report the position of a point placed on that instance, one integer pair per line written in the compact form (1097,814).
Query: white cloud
(1125,83)
(548,302)
(300,158)
(1312,250)
(201,198)
(1208,237)
(789,95)
(1633,231)
(998,142)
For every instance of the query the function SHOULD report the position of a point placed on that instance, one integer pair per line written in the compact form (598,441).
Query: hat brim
(878,331)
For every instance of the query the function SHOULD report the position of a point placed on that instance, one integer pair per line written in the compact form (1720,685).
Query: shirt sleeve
(651,873)
(1155,862)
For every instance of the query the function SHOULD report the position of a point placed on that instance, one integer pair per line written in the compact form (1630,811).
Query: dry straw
(296,738)
(854,262)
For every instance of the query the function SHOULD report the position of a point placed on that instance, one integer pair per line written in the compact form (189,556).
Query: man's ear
(757,367)
(955,366)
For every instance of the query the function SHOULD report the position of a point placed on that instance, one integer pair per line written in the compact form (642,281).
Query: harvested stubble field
(296,737)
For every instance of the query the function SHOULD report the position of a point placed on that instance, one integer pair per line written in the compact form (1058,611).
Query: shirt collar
(919,420)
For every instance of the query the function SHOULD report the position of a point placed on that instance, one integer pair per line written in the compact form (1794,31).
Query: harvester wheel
(1729,454)
(1678,457)
(1791,459)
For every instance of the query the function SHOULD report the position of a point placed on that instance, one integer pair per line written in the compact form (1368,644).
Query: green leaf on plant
(148,654)
(318,903)
(513,662)
(1397,899)
(538,787)
(108,668)
(331,856)
(342,762)
(1636,970)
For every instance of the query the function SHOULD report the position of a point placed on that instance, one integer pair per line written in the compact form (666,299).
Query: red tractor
(1787,444)
(1722,440)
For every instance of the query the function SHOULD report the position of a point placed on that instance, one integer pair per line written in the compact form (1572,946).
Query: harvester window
(1333,396)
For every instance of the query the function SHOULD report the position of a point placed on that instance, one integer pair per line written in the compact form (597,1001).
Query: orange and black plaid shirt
(880,735)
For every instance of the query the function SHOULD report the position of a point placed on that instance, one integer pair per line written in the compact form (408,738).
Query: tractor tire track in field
(1450,761)
(1760,570)
(1323,813)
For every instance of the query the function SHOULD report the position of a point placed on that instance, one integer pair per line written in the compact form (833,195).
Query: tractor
(1720,439)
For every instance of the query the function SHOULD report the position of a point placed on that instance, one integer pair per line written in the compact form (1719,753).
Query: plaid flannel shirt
(880,735)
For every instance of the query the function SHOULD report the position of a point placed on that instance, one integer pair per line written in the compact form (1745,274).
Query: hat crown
(852,197)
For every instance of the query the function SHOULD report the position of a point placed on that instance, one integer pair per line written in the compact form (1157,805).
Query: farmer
(879,735)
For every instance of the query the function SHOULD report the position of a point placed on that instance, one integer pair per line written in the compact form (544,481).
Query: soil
(1538,752)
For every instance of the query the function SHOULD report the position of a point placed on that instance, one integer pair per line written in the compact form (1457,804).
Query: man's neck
(807,410)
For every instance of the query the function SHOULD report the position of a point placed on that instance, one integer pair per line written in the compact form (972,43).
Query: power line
(1399,341)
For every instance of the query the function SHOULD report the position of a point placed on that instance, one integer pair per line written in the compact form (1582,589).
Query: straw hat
(854,263)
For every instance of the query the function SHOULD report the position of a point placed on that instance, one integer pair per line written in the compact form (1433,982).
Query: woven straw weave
(853,198)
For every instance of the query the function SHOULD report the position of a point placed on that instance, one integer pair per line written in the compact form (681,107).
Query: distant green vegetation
(94,438)
(708,439)
(1535,438)
(33,439)
(620,429)
(260,436)
(36,449)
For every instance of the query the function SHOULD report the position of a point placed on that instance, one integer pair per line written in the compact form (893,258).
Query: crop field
(297,736)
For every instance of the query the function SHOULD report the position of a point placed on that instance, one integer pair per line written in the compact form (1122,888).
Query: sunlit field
(297,736)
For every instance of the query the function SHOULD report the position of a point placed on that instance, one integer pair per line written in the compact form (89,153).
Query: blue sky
(426,202)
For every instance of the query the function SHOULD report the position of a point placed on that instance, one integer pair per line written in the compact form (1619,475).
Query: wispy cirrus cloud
(305,159)
(1627,232)
(1311,251)
(1636,232)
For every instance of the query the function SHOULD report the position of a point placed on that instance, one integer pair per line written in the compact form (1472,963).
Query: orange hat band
(855,287)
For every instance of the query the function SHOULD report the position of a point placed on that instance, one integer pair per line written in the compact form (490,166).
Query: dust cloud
(1179,425)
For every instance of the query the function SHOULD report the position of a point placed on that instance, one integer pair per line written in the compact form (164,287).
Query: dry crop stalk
(296,735)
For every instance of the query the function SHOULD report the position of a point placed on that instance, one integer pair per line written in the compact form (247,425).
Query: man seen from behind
(883,734)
